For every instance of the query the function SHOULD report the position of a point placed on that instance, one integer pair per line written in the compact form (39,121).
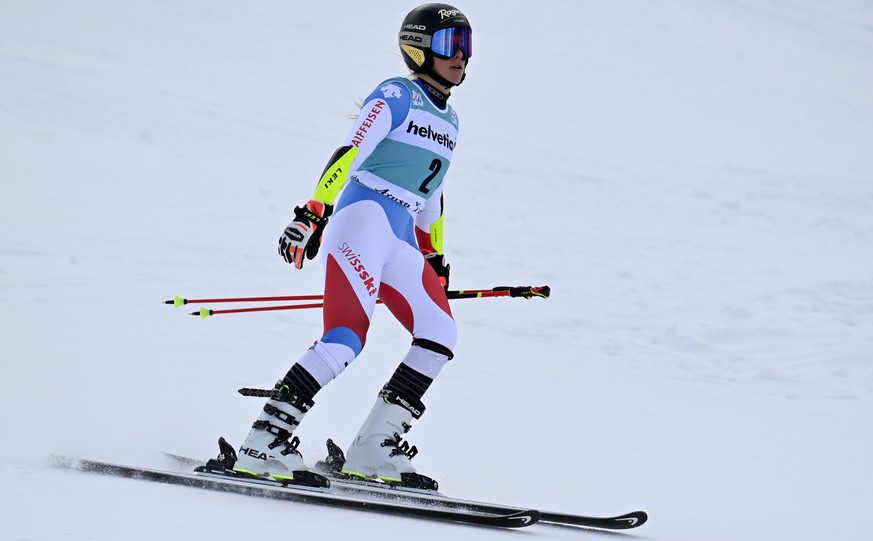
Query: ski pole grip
(528,292)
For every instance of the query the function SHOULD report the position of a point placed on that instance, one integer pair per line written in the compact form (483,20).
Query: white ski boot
(379,453)
(270,448)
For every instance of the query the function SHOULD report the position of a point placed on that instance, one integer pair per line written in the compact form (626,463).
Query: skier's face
(451,68)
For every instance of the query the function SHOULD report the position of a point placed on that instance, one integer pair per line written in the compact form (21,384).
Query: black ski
(431,497)
(415,496)
(318,496)
(620,522)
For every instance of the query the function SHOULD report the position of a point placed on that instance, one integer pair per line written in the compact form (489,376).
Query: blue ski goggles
(445,43)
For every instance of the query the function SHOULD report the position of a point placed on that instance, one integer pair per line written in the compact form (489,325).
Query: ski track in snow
(692,179)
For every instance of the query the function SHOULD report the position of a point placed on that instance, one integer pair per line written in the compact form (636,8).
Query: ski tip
(631,520)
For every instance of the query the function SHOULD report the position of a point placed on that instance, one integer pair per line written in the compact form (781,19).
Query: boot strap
(285,417)
(412,405)
(283,437)
(282,393)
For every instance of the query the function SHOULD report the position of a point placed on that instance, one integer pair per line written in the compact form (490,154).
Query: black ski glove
(439,265)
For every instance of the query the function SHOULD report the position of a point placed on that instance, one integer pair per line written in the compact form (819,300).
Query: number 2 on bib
(435,167)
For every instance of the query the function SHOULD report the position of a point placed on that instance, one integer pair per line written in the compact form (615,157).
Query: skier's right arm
(302,237)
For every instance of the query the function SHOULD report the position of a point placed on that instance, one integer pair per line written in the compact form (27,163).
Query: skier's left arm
(429,234)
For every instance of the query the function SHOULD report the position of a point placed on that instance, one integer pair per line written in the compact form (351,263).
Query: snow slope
(692,179)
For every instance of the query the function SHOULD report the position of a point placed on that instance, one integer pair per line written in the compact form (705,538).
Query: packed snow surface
(694,180)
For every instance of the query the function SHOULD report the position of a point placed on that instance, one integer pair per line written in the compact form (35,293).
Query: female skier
(382,192)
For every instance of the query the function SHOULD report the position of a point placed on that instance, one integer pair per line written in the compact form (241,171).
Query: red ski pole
(527,292)
(206,312)
(181,301)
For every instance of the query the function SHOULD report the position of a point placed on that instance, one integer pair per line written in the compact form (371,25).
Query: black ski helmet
(416,34)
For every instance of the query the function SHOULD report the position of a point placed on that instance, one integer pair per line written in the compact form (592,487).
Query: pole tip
(203,313)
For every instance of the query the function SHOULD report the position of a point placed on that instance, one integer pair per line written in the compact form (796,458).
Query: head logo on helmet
(434,30)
